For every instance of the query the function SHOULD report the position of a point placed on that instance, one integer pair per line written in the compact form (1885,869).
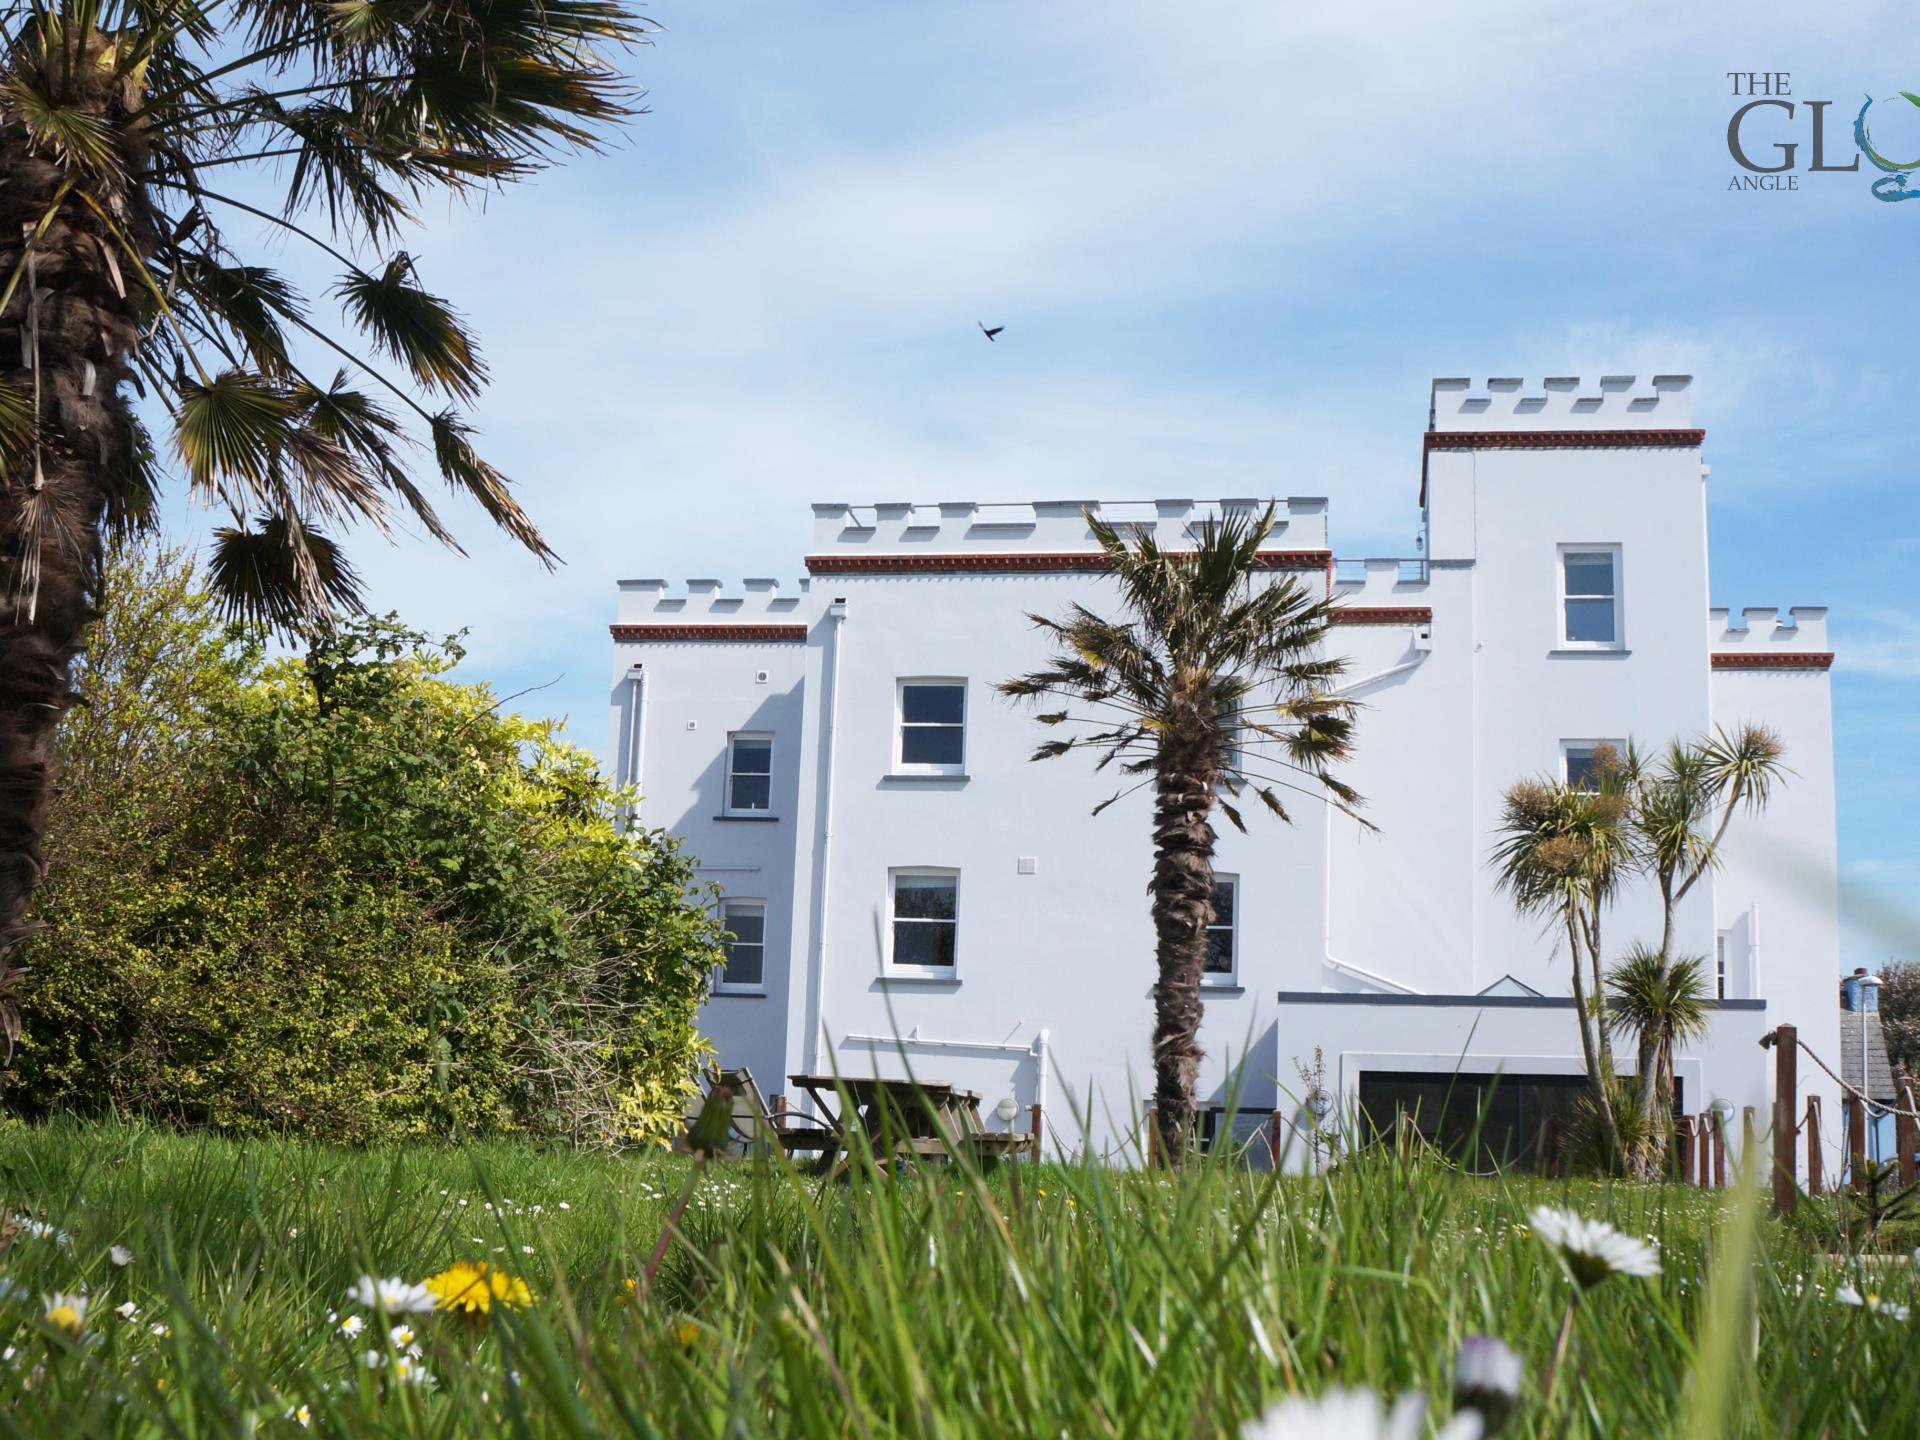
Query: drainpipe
(636,738)
(1040,1069)
(823,843)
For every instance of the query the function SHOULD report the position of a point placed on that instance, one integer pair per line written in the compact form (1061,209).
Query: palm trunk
(1182,908)
(1597,1074)
(1654,1055)
(65,334)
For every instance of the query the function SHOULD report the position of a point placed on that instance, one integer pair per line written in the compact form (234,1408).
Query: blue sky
(1230,243)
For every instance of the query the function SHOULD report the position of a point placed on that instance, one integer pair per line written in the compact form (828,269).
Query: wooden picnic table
(912,1118)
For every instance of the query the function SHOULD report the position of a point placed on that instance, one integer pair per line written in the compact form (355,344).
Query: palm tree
(1681,807)
(1562,854)
(1214,685)
(1662,1001)
(123,124)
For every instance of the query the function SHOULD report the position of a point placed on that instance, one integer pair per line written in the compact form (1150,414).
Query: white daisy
(301,1416)
(404,1339)
(409,1372)
(351,1326)
(126,1309)
(1847,1295)
(120,1255)
(1592,1249)
(39,1230)
(67,1311)
(1487,1375)
(1353,1415)
(392,1295)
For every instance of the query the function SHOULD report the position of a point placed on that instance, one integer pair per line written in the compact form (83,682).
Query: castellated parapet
(1764,631)
(705,601)
(1562,402)
(1046,527)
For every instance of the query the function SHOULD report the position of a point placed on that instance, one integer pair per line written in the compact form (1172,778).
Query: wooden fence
(1702,1141)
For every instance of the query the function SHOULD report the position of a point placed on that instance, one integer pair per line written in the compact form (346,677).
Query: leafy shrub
(343,895)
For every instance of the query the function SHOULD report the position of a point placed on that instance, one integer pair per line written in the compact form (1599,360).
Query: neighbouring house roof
(1879,1086)
(1507,985)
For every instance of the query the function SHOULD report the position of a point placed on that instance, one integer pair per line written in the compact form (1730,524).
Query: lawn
(1067,1302)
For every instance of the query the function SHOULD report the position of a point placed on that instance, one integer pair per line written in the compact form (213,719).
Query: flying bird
(990,333)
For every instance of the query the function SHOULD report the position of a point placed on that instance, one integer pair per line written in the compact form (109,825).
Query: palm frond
(231,429)
(419,330)
(281,576)
(467,472)
(77,137)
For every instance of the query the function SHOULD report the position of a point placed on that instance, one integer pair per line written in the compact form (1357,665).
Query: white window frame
(1568,748)
(1231,976)
(1614,553)
(724,986)
(727,807)
(922,972)
(900,765)
(1722,944)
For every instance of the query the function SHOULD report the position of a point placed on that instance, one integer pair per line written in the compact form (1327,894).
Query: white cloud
(1882,643)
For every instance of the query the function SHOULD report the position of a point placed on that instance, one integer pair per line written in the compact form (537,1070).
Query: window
(749,774)
(1578,759)
(1720,964)
(1220,934)
(1590,597)
(926,920)
(933,726)
(746,944)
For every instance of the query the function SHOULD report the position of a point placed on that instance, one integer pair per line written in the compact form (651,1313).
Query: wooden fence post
(1815,1178)
(1786,1103)
(1905,1133)
(1719,1151)
(1034,1117)
(1703,1127)
(1274,1126)
(1686,1149)
(1856,1114)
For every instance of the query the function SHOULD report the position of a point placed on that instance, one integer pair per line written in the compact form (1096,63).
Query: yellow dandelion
(473,1287)
(629,1290)
(686,1334)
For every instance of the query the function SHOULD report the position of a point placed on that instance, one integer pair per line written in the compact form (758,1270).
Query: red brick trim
(1565,439)
(1554,440)
(628,634)
(1381,615)
(973,562)
(1772,660)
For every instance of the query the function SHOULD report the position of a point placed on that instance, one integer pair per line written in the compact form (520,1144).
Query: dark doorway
(1482,1121)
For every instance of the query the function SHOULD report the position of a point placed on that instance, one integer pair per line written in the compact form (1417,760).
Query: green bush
(344,896)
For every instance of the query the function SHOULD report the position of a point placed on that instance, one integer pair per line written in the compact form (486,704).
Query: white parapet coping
(1562,402)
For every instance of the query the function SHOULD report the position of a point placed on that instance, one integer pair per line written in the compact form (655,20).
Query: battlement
(709,601)
(1765,640)
(1376,581)
(1562,402)
(1041,528)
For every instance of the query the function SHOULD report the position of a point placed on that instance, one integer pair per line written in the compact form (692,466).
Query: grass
(1071,1301)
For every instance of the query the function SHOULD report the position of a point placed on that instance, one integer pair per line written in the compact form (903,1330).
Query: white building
(837,757)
